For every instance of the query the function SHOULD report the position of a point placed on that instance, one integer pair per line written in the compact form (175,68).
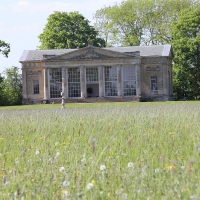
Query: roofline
(84,48)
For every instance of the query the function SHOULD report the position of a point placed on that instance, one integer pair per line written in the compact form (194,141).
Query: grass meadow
(97,151)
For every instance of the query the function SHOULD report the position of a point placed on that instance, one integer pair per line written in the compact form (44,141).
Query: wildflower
(37,152)
(157,170)
(65,193)
(102,167)
(124,196)
(130,164)
(16,161)
(182,167)
(5,181)
(89,186)
(66,183)
(93,182)
(56,144)
(61,169)
(170,167)
(57,155)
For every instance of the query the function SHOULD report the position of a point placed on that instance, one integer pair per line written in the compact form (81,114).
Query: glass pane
(129,81)
(36,87)
(74,86)
(110,89)
(92,75)
(55,76)
(110,73)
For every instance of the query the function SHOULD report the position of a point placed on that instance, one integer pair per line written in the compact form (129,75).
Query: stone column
(101,90)
(24,83)
(119,81)
(138,81)
(82,79)
(66,79)
(46,82)
(165,81)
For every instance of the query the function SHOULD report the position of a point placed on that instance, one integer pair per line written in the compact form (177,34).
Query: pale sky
(22,21)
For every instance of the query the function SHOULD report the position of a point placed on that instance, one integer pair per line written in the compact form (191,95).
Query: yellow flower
(170,167)
(93,181)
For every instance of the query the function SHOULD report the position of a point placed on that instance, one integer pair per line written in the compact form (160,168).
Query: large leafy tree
(4,48)
(2,92)
(68,30)
(186,45)
(138,22)
(11,86)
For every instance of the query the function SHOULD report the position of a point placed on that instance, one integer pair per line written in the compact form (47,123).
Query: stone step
(94,100)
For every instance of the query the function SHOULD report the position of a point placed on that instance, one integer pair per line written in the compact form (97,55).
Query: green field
(100,151)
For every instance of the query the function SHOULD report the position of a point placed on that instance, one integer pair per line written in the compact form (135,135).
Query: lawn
(100,151)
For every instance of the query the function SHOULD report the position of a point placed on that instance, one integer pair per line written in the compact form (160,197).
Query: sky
(22,21)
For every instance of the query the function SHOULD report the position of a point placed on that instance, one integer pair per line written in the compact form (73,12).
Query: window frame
(36,87)
(110,81)
(154,83)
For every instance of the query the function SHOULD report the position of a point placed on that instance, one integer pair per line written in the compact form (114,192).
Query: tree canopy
(186,46)
(4,48)
(11,87)
(140,22)
(68,30)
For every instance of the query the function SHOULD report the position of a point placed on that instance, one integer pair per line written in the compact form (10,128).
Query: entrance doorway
(92,82)
(93,90)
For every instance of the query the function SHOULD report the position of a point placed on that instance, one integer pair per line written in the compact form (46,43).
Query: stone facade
(138,73)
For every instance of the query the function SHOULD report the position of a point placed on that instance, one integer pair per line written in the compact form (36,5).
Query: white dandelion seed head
(130,164)
(37,152)
(66,183)
(65,193)
(124,196)
(90,186)
(182,167)
(16,161)
(102,167)
(61,169)
(6,183)
(56,144)
(57,154)
(157,170)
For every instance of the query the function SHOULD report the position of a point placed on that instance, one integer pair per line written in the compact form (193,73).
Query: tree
(186,46)
(4,48)
(68,30)
(12,86)
(140,22)
(2,93)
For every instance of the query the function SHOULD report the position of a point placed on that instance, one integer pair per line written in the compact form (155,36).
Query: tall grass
(145,151)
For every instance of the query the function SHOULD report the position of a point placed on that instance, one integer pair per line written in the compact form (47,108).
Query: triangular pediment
(89,53)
